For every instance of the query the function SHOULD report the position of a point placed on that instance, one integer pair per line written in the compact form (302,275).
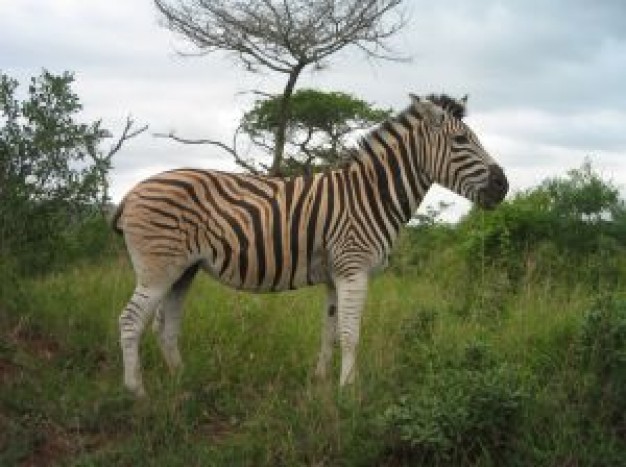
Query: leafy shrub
(581,216)
(420,325)
(53,175)
(602,353)
(478,355)
(91,239)
(12,290)
(457,416)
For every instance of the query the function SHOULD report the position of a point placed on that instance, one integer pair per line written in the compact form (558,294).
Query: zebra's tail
(114,221)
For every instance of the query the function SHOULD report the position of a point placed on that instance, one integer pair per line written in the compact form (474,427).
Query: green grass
(247,396)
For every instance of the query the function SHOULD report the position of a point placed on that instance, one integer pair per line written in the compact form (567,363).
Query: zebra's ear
(414,98)
(463,100)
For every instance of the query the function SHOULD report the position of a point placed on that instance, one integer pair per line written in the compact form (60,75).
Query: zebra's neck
(392,158)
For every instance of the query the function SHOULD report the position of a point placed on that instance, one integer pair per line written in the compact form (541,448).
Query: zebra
(265,234)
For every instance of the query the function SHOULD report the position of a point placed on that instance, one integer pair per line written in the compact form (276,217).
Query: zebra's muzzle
(495,191)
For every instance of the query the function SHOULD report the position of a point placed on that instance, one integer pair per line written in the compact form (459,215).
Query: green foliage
(543,385)
(420,327)
(583,195)
(575,220)
(52,174)
(335,113)
(421,245)
(476,354)
(318,126)
(457,415)
(602,353)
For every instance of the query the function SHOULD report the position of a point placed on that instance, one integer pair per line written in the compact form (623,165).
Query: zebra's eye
(460,139)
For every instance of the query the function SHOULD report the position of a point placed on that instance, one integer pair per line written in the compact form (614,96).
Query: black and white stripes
(269,234)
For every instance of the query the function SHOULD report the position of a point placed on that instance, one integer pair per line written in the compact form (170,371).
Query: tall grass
(443,380)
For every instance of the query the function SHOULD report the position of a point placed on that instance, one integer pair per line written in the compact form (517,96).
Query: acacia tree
(318,126)
(283,37)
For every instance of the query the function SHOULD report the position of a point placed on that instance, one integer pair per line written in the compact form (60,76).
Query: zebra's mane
(453,107)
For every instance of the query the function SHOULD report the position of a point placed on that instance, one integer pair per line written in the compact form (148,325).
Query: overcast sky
(546,79)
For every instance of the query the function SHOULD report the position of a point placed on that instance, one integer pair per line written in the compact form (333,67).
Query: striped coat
(267,234)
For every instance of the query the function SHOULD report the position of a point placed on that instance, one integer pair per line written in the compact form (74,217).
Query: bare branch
(125,136)
(231,150)
(280,34)
(258,92)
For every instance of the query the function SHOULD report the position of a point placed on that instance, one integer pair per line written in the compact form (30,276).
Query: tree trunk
(283,117)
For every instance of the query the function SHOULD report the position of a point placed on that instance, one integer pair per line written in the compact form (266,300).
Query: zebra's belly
(315,271)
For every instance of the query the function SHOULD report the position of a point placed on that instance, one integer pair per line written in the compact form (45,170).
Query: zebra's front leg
(168,317)
(351,295)
(329,333)
(132,322)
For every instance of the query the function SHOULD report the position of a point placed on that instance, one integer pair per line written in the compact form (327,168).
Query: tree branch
(280,35)
(231,150)
(125,136)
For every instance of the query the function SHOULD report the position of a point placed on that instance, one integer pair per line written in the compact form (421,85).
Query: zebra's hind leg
(329,333)
(132,321)
(351,294)
(168,317)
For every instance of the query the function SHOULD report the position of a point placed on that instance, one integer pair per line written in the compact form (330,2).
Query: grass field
(526,377)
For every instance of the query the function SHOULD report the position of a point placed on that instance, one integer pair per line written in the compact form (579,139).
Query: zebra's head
(454,157)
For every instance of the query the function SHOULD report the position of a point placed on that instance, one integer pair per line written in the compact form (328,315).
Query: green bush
(12,292)
(53,176)
(467,407)
(420,325)
(580,217)
(418,246)
(602,354)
